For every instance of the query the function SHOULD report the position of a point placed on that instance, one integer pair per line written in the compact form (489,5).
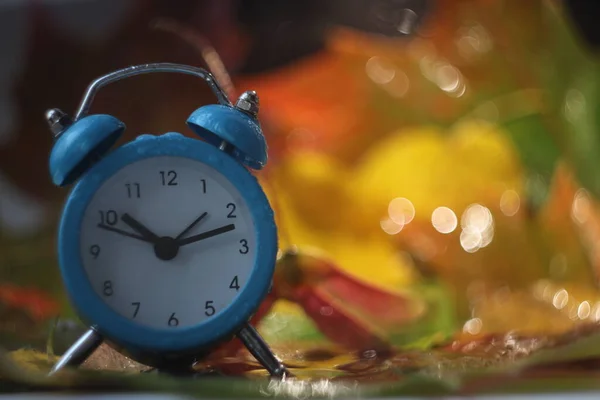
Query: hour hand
(137,226)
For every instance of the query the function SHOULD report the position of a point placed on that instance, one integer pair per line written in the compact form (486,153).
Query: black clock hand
(124,233)
(139,228)
(190,226)
(206,235)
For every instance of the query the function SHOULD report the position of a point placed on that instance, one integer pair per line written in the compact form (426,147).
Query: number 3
(244,249)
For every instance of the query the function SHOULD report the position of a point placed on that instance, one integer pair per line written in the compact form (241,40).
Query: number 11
(133,190)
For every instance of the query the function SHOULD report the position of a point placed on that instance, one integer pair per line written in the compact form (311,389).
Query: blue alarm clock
(167,244)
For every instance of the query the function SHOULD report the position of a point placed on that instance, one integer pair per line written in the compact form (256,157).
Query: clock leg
(79,351)
(261,351)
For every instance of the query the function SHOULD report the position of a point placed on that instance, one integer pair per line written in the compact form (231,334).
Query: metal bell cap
(216,123)
(81,144)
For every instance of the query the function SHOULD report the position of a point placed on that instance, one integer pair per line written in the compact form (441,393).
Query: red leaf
(378,303)
(296,271)
(339,325)
(31,300)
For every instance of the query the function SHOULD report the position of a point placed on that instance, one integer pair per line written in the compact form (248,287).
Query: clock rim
(122,331)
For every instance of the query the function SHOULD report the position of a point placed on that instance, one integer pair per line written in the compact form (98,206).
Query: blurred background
(434,162)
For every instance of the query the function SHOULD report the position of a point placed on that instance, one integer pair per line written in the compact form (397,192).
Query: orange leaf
(34,301)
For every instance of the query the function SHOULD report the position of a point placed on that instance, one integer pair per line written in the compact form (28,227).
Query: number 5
(210,310)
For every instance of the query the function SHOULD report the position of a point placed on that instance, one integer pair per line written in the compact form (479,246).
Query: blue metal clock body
(232,142)
(126,333)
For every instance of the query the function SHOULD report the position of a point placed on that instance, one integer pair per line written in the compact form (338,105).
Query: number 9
(95,251)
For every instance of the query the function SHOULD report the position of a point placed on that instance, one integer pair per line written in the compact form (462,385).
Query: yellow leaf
(32,359)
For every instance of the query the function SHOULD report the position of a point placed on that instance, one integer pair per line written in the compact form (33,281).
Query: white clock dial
(161,276)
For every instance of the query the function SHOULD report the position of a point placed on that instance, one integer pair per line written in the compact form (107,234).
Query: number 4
(234,284)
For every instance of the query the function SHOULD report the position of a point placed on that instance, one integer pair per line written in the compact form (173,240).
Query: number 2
(231,208)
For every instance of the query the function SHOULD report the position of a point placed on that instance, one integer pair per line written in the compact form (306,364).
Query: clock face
(168,242)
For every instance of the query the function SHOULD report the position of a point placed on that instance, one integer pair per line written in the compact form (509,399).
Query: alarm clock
(166,244)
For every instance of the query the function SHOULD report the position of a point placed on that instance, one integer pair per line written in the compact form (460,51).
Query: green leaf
(580,349)
(438,324)
(415,385)
(582,124)
(571,76)
(279,327)
(538,151)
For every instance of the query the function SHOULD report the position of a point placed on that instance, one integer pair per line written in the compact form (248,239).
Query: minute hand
(206,235)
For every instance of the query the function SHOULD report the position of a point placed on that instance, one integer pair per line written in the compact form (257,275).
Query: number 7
(137,308)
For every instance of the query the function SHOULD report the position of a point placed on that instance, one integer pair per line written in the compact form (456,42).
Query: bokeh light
(380,70)
(477,228)
(401,210)
(473,326)
(560,299)
(581,208)
(444,220)
(473,41)
(510,202)
(584,310)
(390,227)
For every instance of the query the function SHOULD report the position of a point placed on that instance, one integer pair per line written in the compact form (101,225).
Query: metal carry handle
(134,70)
